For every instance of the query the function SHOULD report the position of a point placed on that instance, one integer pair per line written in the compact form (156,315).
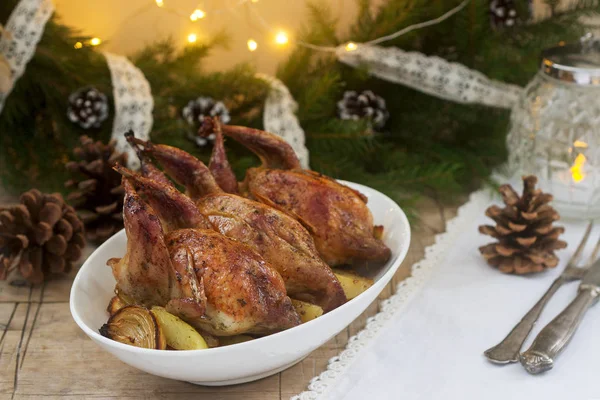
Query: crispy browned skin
(243,293)
(215,283)
(336,215)
(281,240)
(219,164)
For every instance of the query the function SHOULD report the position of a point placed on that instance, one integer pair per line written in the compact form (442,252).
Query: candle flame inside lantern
(577,172)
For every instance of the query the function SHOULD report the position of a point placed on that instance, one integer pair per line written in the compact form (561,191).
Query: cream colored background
(114,21)
(126,25)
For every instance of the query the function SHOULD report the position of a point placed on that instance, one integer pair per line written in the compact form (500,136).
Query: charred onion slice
(115,304)
(136,326)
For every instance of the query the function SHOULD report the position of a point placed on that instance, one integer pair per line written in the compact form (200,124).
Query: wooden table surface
(44,354)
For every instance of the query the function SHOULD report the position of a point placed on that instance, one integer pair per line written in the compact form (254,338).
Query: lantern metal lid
(575,63)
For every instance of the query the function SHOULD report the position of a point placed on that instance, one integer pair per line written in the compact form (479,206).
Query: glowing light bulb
(281,38)
(578,168)
(192,38)
(160,3)
(95,41)
(78,45)
(197,14)
(351,46)
(252,45)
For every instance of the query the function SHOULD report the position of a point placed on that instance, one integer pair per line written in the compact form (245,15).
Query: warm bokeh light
(281,38)
(254,1)
(351,46)
(197,14)
(95,41)
(78,45)
(252,45)
(160,3)
(192,38)
(577,170)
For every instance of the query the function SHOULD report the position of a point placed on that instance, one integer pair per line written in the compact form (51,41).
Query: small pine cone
(39,238)
(524,229)
(97,194)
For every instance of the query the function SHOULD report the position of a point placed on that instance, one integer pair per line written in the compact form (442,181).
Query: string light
(78,45)
(197,14)
(95,41)
(281,38)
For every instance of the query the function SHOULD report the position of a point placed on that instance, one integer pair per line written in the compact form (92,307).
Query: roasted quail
(215,283)
(336,216)
(281,240)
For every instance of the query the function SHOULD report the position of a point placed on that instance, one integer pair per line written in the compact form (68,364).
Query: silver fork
(507,351)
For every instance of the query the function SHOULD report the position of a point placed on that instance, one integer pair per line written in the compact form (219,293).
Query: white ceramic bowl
(93,287)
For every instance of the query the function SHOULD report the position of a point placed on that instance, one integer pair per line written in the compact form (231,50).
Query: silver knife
(554,337)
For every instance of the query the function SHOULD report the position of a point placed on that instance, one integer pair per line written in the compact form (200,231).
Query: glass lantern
(555,129)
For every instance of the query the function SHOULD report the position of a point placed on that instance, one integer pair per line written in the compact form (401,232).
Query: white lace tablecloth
(428,341)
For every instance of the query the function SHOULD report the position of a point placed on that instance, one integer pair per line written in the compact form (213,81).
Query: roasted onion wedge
(115,304)
(136,326)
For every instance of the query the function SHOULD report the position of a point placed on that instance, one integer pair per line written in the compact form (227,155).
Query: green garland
(430,145)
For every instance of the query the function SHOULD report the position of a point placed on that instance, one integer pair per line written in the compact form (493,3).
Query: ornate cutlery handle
(555,336)
(507,351)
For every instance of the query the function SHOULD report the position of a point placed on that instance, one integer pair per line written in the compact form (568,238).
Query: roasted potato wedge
(229,340)
(178,333)
(352,284)
(136,326)
(306,310)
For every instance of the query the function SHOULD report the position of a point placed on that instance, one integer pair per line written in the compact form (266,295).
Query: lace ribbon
(393,306)
(23,31)
(133,104)
(432,75)
(279,117)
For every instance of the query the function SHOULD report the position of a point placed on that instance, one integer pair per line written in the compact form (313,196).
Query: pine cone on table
(40,237)
(97,194)
(524,229)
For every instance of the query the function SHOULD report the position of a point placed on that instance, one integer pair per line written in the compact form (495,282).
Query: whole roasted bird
(335,215)
(174,259)
(281,240)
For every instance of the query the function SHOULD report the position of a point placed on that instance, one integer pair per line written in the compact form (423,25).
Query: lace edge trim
(405,291)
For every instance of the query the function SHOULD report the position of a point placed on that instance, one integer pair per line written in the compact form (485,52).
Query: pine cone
(40,237)
(88,107)
(364,105)
(526,238)
(97,192)
(195,111)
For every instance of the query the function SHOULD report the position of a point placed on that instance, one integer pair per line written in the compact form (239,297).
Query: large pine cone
(40,237)
(524,228)
(97,192)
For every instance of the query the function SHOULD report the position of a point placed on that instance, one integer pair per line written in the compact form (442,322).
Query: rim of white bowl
(396,262)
